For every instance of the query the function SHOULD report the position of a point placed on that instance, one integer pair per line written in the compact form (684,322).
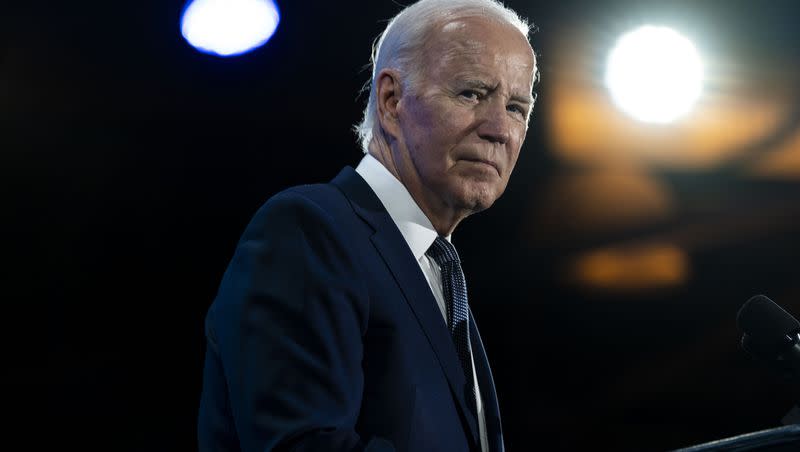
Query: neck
(442,216)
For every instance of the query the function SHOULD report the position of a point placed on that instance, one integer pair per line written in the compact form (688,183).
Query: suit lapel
(390,244)
(491,408)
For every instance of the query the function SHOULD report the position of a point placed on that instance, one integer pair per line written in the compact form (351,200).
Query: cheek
(435,141)
(446,122)
(517,144)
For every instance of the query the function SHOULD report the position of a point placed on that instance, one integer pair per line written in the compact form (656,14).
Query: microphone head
(768,329)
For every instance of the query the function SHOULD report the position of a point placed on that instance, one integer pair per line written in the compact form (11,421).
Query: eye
(515,108)
(470,94)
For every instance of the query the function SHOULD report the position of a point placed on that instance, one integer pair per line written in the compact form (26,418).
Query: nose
(495,124)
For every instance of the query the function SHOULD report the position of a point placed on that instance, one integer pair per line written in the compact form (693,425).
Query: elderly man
(342,322)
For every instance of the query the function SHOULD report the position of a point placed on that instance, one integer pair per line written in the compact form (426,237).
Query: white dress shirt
(419,234)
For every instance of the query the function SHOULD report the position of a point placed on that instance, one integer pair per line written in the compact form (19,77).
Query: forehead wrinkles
(465,55)
(449,42)
(455,33)
(454,44)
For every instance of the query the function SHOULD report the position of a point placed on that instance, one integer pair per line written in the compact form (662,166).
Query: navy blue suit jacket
(325,336)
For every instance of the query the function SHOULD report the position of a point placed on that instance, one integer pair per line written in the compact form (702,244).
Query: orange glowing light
(648,266)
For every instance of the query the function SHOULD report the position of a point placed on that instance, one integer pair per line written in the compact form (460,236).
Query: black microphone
(772,335)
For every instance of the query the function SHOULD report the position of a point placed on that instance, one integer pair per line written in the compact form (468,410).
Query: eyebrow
(475,83)
(525,99)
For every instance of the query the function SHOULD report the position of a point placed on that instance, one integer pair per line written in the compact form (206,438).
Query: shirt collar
(416,228)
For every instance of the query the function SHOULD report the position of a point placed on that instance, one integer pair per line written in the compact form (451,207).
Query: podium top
(778,439)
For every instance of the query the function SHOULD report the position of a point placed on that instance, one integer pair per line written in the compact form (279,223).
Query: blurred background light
(746,106)
(630,268)
(654,74)
(229,27)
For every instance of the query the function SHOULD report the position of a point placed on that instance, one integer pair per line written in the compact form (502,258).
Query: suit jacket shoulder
(324,335)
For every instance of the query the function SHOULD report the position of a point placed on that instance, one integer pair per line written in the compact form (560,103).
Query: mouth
(483,162)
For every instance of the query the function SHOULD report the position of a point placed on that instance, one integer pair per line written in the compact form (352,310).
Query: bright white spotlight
(654,74)
(229,27)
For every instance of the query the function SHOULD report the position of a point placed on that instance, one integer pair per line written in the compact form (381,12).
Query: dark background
(134,162)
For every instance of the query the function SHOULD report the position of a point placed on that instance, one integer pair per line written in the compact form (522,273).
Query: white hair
(401,44)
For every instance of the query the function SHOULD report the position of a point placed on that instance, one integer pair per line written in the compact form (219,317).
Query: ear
(388,91)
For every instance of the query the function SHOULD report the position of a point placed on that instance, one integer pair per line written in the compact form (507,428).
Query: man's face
(461,127)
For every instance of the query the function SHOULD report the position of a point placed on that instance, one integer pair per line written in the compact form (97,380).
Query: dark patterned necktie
(455,295)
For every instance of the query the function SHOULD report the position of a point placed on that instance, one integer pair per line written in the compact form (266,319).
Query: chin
(476,199)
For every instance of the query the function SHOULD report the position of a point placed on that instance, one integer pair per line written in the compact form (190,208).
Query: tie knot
(443,251)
